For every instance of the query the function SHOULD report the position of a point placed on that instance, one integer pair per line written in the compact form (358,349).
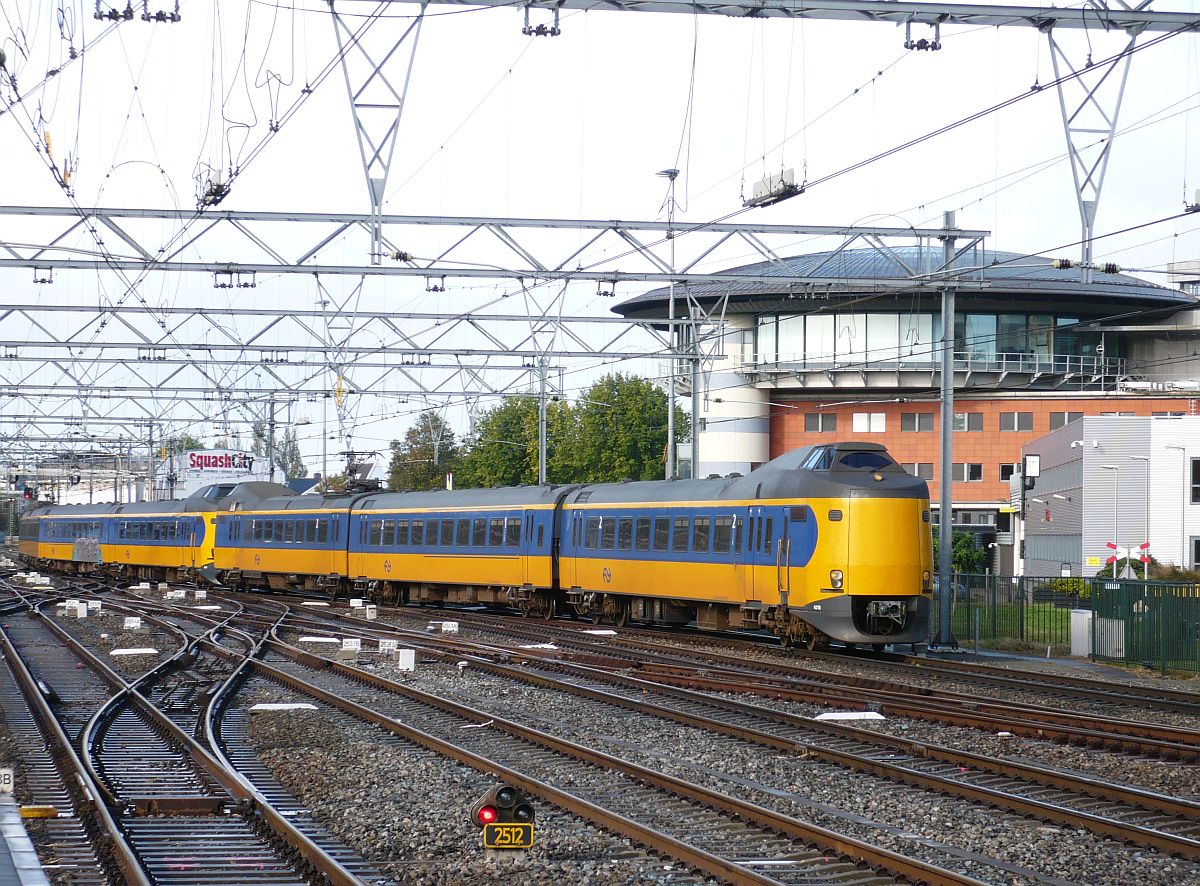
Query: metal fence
(1005,609)
(1152,623)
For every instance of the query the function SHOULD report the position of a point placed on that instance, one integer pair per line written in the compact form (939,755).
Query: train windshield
(869,461)
(828,458)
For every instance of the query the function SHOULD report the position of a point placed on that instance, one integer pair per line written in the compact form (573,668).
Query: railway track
(715,832)
(176,806)
(1128,814)
(718,671)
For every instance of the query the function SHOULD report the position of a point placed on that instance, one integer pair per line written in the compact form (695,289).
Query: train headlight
(926,581)
(835,578)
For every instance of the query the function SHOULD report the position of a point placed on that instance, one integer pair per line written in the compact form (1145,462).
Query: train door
(791,544)
(754,528)
(528,551)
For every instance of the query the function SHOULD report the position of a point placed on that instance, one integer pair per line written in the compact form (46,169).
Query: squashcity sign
(220,461)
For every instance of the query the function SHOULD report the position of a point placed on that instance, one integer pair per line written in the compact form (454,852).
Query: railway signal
(506,817)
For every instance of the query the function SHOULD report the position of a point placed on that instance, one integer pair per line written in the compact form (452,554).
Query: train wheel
(622,616)
(810,640)
(551,609)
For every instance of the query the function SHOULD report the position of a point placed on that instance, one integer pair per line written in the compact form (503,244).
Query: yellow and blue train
(826,542)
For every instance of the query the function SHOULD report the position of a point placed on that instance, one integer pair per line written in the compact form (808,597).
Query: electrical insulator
(1062,264)
(1110,268)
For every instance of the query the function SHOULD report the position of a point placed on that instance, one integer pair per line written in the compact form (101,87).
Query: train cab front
(881,591)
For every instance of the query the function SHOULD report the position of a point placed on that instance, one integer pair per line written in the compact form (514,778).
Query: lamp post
(1183,497)
(1146,502)
(1116,512)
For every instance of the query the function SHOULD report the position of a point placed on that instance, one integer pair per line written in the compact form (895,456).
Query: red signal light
(487,815)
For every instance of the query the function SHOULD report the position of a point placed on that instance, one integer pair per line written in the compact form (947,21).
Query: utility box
(1081,633)
(1110,638)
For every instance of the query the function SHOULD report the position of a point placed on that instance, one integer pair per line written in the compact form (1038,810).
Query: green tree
(505,449)
(965,553)
(181,443)
(288,458)
(621,431)
(421,460)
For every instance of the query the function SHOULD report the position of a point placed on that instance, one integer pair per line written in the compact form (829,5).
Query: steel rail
(849,847)
(1138,834)
(827,688)
(78,782)
(230,782)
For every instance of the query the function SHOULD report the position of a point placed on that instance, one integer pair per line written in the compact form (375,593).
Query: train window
(608,533)
(662,533)
(800,514)
(819,459)
(495,532)
(268,529)
(512,532)
(871,461)
(478,532)
(432,532)
(157,531)
(642,534)
(541,535)
(401,532)
(625,534)
(700,527)
(755,538)
(447,533)
(737,535)
(314,530)
(278,530)
(463,533)
(418,533)
(375,539)
(679,537)
(722,535)
(389,533)
(593,533)
(289,530)
(769,536)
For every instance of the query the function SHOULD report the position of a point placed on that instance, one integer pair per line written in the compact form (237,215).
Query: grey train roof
(779,478)
(1010,279)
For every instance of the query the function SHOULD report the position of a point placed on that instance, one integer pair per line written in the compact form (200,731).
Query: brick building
(1035,349)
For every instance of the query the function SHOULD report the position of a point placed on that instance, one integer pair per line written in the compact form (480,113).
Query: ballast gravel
(407,810)
(942,830)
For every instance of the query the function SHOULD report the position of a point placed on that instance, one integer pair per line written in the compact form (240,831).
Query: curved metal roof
(1005,276)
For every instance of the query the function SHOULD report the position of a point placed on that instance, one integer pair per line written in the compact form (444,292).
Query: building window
(870,422)
(1196,481)
(1166,415)
(1061,419)
(820,422)
(1016,421)
(1119,414)
(968,421)
(916,421)
(1006,472)
(922,469)
(967,472)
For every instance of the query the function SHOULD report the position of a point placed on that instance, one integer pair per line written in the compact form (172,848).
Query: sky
(575,127)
